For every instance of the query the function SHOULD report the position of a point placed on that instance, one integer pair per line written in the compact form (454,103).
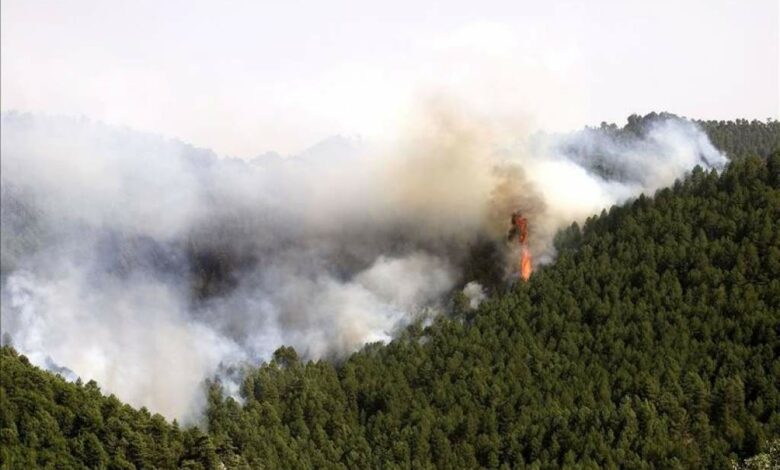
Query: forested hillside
(653,341)
(738,139)
(46,422)
(743,138)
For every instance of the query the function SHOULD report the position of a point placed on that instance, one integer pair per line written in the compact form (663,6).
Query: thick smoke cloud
(149,265)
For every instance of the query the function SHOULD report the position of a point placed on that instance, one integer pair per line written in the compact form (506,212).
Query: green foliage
(743,138)
(769,460)
(653,341)
(738,139)
(46,422)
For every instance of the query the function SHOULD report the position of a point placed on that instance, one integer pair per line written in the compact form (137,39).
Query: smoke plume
(149,265)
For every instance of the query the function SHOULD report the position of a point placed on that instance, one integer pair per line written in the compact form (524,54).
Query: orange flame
(525,263)
(520,230)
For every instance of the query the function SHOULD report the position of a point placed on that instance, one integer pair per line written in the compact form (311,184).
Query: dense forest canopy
(653,341)
(743,138)
(738,139)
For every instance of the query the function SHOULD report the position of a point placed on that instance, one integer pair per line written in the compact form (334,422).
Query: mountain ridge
(651,341)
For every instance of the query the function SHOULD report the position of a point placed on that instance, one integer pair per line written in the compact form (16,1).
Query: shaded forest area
(737,139)
(653,341)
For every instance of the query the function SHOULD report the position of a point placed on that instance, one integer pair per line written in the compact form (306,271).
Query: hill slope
(46,422)
(652,342)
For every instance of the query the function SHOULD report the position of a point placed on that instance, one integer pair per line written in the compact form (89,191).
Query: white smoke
(135,337)
(582,173)
(149,265)
(475,294)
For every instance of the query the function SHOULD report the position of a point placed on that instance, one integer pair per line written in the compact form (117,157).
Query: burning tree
(519,230)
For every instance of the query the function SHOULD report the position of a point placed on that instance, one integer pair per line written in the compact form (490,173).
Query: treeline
(742,138)
(653,341)
(738,139)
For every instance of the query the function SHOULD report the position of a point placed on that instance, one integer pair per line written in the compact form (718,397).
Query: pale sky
(245,77)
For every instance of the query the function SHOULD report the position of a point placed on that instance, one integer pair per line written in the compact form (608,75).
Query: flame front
(525,263)
(520,230)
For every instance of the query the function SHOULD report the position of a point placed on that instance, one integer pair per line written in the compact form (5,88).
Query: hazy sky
(247,77)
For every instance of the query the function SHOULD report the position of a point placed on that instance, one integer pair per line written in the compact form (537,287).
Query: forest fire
(519,230)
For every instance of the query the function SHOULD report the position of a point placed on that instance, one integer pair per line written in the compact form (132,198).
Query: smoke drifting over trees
(149,265)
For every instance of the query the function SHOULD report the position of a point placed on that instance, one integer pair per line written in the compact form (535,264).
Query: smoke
(475,294)
(149,265)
